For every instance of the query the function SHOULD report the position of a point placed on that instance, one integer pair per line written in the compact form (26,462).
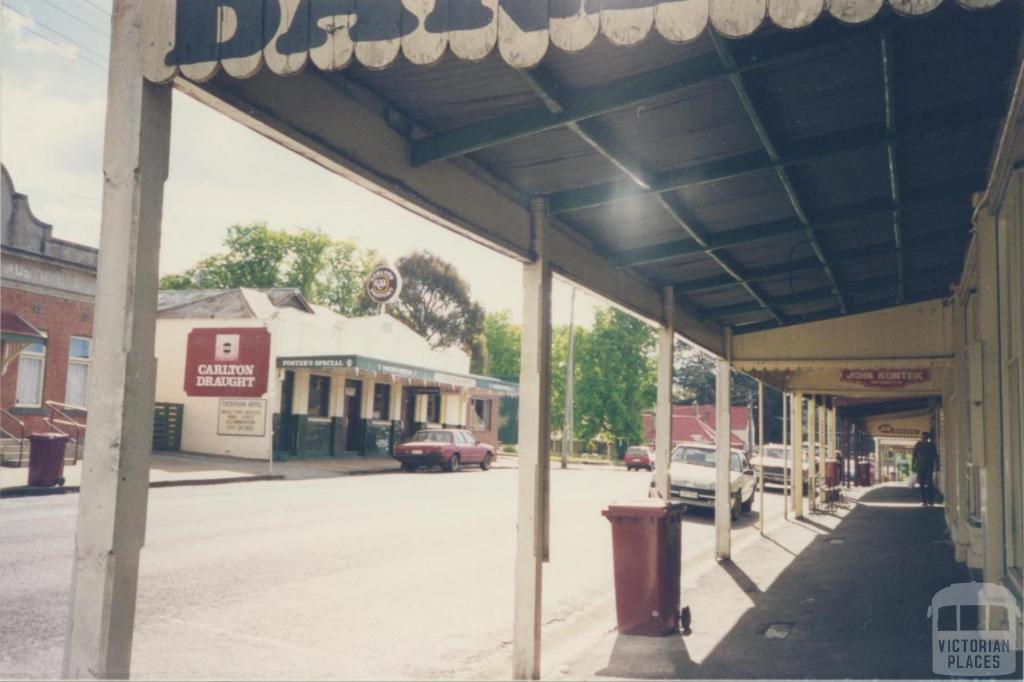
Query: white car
(777,471)
(692,474)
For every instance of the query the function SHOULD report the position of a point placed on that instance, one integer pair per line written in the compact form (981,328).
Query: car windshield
(636,451)
(701,457)
(773,453)
(432,437)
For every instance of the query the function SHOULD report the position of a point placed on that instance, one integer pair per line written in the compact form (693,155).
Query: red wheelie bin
(46,459)
(646,544)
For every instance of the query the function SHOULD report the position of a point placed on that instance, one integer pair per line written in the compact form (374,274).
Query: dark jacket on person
(926,457)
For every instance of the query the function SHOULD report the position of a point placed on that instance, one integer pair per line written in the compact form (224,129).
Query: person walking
(926,461)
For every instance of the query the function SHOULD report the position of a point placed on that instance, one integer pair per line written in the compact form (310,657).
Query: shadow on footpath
(853,603)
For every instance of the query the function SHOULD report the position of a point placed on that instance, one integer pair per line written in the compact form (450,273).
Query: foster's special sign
(227,362)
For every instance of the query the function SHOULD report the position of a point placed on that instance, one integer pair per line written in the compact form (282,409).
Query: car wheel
(737,505)
(746,506)
(409,466)
(486,464)
(453,463)
(629,468)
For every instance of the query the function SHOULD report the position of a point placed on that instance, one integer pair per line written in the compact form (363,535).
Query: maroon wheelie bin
(646,545)
(46,459)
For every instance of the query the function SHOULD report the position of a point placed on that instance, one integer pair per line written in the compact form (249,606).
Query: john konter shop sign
(227,362)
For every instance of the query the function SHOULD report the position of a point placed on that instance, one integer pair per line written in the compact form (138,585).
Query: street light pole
(567,428)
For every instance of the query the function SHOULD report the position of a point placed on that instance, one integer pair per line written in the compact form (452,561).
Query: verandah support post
(723,438)
(786,456)
(663,414)
(115,468)
(797,420)
(812,458)
(534,465)
(761,454)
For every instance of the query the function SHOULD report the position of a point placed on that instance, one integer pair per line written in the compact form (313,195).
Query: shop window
(319,396)
(381,401)
(480,414)
(79,354)
(434,408)
(31,363)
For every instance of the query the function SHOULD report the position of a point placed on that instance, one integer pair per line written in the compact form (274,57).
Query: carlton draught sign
(227,362)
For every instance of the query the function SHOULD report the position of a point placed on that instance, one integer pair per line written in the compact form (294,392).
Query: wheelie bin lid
(642,508)
(50,435)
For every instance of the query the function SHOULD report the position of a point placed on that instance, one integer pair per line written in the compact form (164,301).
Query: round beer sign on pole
(383,285)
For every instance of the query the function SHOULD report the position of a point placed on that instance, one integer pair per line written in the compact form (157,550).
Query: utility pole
(567,428)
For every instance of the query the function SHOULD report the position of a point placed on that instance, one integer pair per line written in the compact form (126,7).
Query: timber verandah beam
(888,76)
(747,101)
(830,313)
(778,228)
(941,238)
(952,119)
(587,103)
(547,91)
(865,286)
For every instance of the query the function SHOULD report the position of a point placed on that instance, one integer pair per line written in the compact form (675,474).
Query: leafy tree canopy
(503,338)
(327,271)
(435,301)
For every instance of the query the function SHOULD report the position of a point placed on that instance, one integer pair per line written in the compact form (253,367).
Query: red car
(639,457)
(449,448)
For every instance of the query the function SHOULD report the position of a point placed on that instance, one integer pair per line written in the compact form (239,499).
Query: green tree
(504,340)
(616,377)
(327,272)
(435,301)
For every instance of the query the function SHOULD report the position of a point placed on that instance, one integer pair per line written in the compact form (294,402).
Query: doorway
(286,424)
(353,414)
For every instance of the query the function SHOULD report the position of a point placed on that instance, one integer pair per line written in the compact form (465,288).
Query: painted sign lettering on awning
(886,377)
(199,38)
(230,362)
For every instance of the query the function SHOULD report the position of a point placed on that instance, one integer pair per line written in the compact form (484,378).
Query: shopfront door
(353,414)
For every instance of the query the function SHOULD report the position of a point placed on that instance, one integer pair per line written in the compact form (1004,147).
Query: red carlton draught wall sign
(886,378)
(227,362)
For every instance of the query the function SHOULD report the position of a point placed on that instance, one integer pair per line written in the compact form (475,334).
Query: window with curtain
(31,362)
(480,415)
(381,401)
(79,357)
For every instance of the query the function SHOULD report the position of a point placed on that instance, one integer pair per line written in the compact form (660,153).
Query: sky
(52,106)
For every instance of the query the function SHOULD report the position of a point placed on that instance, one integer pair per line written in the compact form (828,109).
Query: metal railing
(8,435)
(56,416)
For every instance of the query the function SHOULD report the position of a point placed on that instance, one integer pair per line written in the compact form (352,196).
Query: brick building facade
(50,284)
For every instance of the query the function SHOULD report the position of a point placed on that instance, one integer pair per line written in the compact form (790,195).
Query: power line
(74,55)
(69,39)
(96,7)
(77,18)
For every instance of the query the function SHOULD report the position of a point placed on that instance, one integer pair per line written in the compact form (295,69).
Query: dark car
(639,457)
(447,448)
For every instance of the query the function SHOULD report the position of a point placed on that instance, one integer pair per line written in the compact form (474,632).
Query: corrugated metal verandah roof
(786,177)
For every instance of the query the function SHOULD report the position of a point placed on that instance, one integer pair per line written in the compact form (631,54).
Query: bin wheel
(60,481)
(486,464)
(453,463)
(737,505)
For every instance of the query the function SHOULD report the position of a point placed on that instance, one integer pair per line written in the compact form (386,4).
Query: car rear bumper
(425,460)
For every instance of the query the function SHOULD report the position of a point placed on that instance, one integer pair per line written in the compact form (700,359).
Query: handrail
(21,437)
(58,409)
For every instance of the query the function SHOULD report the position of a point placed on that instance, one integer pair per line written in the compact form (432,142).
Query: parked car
(639,457)
(778,465)
(692,474)
(448,448)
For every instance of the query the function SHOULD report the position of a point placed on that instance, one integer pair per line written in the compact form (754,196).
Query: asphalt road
(390,576)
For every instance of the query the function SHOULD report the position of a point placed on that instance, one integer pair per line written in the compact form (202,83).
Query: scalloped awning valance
(197,38)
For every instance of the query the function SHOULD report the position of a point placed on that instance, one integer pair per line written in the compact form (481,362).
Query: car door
(468,447)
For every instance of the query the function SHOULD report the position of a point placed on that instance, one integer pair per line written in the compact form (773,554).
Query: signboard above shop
(227,362)
(890,377)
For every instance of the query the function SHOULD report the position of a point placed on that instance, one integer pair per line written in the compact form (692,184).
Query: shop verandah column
(115,468)
(534,465)
(663,409)
(723,439)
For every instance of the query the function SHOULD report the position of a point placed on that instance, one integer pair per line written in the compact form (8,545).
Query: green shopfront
(354,405)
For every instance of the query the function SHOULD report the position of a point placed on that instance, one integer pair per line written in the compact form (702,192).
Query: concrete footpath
(179,468)
(841,595)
